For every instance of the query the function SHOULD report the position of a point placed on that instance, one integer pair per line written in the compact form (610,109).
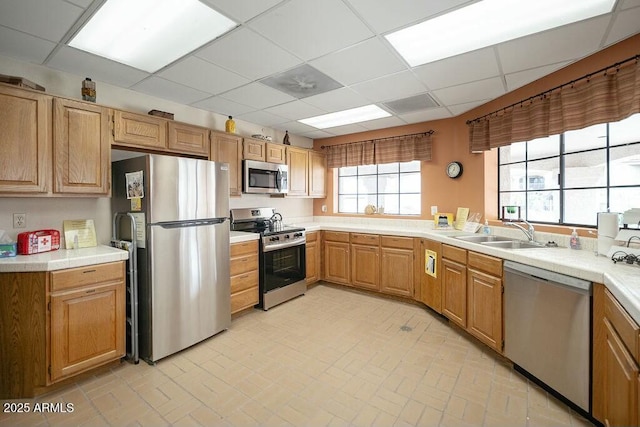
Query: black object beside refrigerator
(181,209)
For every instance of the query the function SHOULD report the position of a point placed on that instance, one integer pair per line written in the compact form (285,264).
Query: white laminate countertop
(61,259)
(242,236)
(622,280)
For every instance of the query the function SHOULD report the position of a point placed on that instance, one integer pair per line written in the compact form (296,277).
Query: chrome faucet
(527,232)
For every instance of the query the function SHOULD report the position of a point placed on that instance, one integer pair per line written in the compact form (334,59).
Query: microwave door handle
(278,177)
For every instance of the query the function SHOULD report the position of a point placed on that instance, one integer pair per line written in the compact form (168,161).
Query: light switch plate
(434,210)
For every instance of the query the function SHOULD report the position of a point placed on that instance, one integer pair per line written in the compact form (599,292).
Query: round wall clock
(454,169)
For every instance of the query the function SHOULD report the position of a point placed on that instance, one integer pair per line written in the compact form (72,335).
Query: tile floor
(333,357)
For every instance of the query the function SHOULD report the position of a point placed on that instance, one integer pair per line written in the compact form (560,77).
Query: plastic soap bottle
(574,242)
(486,229)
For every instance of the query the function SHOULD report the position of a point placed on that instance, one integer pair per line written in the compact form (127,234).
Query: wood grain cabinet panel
(254,149)
(81,148)
(138,130)
(244,275)
(297,159)
(227,148)
(454,291)
(188,139)
(430,286)
(484,309)
(317,174)
(275,153)
(312,257)
(396,270)
(365,270)
(337,261)
(25,141)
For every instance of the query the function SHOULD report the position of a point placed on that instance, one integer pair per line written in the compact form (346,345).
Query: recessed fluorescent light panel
(149,34)
(346,117)
(487,23)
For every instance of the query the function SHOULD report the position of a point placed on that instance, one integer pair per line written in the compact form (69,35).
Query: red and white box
(34,242)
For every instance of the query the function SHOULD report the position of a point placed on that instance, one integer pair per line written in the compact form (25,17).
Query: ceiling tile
(223,106)
(262,118)
(316,134)
(566,43)
(462,108)
(627,4)
(478,65)
(393,86)
(426,115)
(166,89)
(364,61)
(81,3)
(310,28)
(337,100)
(50,19)
(302,81)
(295,127)
(257,95)
(624,25)
(202,75)
(24,46)
(295,110)
(346,129)
(85,64)
(248,54)
(521,78)
(385,122)
(469,92)
(241,10)
(384,16)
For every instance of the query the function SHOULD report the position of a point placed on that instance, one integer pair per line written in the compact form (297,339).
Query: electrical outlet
(19,220)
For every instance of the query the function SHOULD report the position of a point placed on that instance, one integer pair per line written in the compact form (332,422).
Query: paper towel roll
(607,230)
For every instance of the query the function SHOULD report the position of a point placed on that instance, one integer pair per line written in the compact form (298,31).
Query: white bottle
(574,242)
(486,229)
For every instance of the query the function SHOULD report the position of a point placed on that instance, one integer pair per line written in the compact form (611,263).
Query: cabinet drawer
(243,264)
(336,236)
(244,281)
(454,254)
(365,239)
(624,325)
(397,242)
(244,248)
(88,275)
(244,299)
(486,263)
(312,236)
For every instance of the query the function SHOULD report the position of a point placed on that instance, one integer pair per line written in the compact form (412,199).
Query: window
(393,186)
(569,178)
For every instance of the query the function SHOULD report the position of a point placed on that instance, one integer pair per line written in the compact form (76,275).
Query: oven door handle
(284,245)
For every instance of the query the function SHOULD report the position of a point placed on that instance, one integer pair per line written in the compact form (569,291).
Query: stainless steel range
(282,254)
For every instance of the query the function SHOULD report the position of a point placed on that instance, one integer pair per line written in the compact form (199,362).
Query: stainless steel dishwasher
(547,328)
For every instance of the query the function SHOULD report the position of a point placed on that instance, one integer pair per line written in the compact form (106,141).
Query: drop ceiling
(338,44)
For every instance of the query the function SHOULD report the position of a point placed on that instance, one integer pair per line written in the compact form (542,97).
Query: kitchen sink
(514,244)
(484,239)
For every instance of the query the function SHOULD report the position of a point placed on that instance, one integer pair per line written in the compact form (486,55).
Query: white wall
(50,212)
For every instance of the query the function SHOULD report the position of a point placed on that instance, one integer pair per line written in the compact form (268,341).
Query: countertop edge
(62,259)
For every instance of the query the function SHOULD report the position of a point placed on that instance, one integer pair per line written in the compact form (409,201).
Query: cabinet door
(136,130)
(620,382)
(317,174)
(25,141)
(485,308)
(275,153)
(81,148)
(87,328)
(188,139)
(253,149)
(454,292)
(336,262)
(312,259)
(365,272)
(297,159)
(227,148)
(396,271)
(430,274)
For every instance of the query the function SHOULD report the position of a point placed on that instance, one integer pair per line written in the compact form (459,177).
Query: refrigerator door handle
(196,223)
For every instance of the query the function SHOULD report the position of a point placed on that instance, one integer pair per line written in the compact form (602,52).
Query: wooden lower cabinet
(244,275)
(312,257)
(396,265)
(364,263)
(454,292)
(484,308)
(429,274)
(337,259)
(54,325)
(616,357)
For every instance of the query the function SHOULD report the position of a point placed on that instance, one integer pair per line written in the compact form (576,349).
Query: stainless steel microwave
(264,177)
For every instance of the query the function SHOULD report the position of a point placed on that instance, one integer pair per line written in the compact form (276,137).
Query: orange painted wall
(477,187)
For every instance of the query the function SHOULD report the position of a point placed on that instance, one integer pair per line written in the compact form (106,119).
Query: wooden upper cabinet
(227,148)
(138,130)
(81,148)
(25,141)
(275,153)
(189,139)
(317,174)
(297,159)
(253,149)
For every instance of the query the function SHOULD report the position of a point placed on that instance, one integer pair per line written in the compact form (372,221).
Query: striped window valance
(608,95)
(403,148)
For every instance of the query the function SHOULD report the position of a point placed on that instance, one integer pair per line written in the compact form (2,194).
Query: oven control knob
(286,236)
(274,239)
(297,235)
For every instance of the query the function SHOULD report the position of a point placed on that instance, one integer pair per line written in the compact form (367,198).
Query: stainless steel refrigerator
(181,208)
